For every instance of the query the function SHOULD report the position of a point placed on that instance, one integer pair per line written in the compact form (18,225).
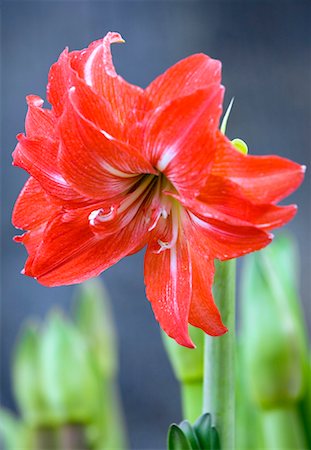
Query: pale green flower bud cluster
(64,379)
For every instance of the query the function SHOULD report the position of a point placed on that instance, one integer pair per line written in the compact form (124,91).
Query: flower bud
(240,145)
(273,333)
(25,374)
(93,317)
(71,384)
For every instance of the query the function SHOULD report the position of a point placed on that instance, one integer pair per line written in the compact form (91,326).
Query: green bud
(93,317)
(70,383)
(240,145)
(273,333)
(25,374)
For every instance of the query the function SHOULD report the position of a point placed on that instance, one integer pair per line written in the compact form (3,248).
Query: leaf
(190,434)
(223,125)
(202,429)
(176,439)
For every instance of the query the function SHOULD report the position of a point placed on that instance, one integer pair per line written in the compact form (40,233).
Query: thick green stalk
(219,371)
(192,399)
(283,429)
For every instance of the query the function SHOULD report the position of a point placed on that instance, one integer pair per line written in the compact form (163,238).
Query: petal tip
(34,100)
(114,37)
(270,237)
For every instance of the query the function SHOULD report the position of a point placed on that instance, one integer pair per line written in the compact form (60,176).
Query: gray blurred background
(265,49)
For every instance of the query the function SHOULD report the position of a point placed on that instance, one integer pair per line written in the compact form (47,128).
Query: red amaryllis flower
(115,167)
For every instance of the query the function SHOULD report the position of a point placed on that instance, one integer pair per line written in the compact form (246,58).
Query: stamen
(101,215)
(134,195)
(175,229)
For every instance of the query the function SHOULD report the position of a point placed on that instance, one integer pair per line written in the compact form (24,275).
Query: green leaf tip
(176,439)
(223,125)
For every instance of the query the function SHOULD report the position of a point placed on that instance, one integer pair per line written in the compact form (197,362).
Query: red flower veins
(114,168)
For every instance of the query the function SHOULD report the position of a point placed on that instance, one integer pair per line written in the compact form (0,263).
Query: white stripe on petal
(89,66)
(166,158)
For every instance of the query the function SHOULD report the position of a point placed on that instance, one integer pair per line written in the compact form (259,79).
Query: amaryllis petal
(95,66)
(225,241)
(93,108)
(39,157)
(70,252)
(264,179)
(223,200)
(204,313)
(33,206)
(168,276)
(188,75)
(39,121)
(31,240)
(168,286)
(180,137)
(57,87)
(97,164)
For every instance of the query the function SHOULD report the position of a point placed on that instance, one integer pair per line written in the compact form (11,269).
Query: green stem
(219,371)
(192,399)
(283,429)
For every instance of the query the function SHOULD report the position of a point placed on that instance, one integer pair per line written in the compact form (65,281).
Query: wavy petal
(71,253)
(224,200)
(39,121)
(33,206)
(95,163)
(94,65)
(38,156)
(204,313)
(180,137)
(168,288)
(264,179)
(31,240)
(188,75)
(58,83)
(93,107)
(223,240)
